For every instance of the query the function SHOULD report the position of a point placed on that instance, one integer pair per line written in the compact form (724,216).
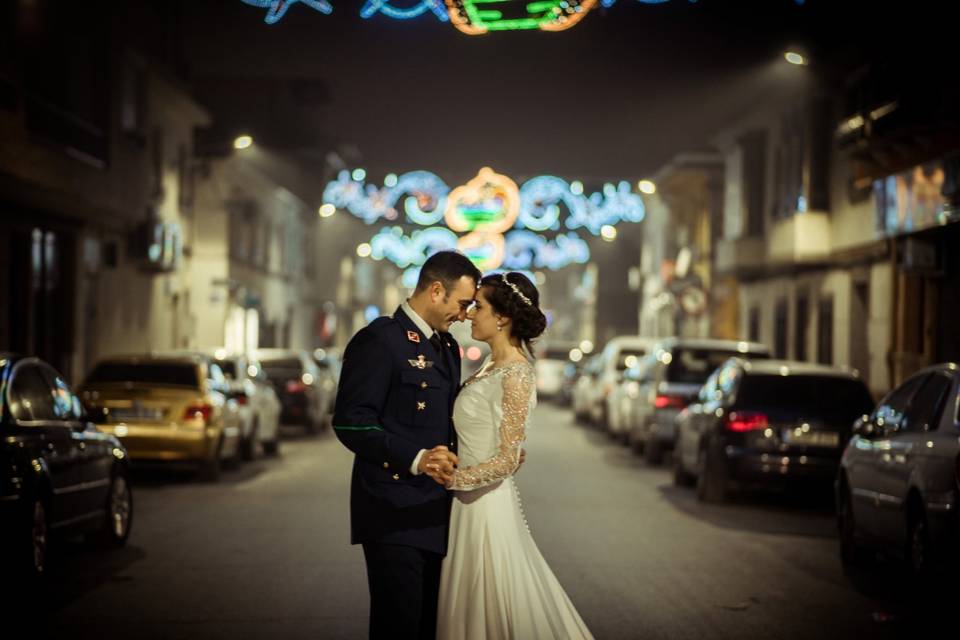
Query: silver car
(898,488)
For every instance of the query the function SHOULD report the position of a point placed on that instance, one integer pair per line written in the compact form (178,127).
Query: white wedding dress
(494,581)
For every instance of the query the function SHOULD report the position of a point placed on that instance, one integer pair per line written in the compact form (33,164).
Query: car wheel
(851,553)
(248,448)
(210,468)
(32,552)
(116,524)
(271,447)
(653,453)
(918,551)
(680,476)
(712,480)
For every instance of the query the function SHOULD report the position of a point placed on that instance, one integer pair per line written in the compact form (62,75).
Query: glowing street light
(647,187)
(586,346)
(327,210)
(359,175)
(242,142)
(609,232)
(795,58)
(576,355)
(364,250)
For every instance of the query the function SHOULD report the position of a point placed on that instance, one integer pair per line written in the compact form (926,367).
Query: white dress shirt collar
(425,328)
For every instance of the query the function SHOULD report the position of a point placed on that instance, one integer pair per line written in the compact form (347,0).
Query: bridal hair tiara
(516,290)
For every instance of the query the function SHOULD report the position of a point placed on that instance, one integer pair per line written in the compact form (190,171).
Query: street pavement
(265,554)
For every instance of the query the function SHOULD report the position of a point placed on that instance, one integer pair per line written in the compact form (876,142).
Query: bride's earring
(499,327)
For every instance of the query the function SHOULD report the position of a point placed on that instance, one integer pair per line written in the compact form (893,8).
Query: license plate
(142,414)
(830,439)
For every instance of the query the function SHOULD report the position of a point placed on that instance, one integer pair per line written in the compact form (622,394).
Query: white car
(257,401)
(582,395)
(549,366)
(620,354)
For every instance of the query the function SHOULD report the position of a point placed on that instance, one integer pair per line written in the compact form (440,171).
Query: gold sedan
(166,409)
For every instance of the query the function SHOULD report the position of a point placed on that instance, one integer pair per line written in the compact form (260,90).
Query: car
(549,365)
(581,397)
(304,398)
(328,364)
(57,472)
(571,373)
(898,488)
(670,381)
(624,398)
(256,400)
(767,424)
(166,409)
(617,356)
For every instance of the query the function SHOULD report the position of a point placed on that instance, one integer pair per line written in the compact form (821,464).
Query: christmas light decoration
(473,17)
(490,203)
(419,7)
(277,8)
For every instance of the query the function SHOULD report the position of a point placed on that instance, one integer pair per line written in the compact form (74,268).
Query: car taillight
(662,402)
(198,411)
(295,386)
(741,421)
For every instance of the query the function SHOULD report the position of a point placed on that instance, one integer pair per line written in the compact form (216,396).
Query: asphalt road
(265,554)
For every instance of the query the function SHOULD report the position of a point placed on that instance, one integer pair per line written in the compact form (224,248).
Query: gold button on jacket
(386,465)
(396,476)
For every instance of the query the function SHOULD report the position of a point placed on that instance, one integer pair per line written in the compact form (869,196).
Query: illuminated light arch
(418,8)
(539,198)
(403,251)
(277,8)
(490,203)
(476,17)
(485,249)
(426,202)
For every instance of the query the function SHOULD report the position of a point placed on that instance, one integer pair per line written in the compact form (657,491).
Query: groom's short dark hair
(446,267)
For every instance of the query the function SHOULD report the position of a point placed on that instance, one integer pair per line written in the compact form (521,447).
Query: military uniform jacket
(395,398)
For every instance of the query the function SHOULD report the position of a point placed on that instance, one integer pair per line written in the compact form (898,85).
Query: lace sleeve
(517,383)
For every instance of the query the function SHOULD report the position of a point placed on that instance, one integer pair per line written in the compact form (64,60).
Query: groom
(394,411)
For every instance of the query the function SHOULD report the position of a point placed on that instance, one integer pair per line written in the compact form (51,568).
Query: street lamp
(242,142)
(647,187)
(364,250)
(327,210)
(795,58)
(608,232)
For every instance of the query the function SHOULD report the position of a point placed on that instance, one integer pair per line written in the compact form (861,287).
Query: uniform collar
(425,328)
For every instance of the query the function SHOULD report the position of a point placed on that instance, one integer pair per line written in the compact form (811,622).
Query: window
(801,314)
(30,395)
(927,405)
(832,399)
(780,330)
(66,406)
(753,325)
(147,373)
(825,331)
(892,408)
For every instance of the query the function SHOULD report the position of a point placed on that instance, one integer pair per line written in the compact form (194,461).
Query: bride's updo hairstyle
(514,296)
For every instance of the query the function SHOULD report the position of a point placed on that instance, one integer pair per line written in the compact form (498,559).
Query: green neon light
(539,13)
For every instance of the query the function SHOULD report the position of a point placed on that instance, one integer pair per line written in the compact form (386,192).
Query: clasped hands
(440,464)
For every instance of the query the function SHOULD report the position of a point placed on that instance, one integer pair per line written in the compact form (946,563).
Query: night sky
(614,97)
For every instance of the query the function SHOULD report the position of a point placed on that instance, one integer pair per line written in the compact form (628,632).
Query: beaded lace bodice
(491,415)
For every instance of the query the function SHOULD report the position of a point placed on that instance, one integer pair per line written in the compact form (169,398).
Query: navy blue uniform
(395,398)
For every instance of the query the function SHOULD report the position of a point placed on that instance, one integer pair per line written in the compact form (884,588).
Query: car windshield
(694,366)
(282,368)
(628,358)
(229,368)
(826,396)
(174,374)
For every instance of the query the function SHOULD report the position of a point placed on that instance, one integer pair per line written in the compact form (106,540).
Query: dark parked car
(306,395)
(767,422)
(57,472)
(679,368)
(898,489)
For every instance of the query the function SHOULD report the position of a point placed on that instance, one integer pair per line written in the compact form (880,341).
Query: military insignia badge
(413,336)
(421,362)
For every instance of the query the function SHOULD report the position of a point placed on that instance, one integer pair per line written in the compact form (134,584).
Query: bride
(494,582)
